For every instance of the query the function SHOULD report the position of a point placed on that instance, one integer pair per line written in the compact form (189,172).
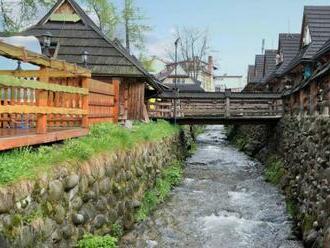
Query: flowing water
(223,202)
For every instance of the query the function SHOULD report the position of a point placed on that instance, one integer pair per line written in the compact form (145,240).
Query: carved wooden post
(227,95)
(85,103)
(42,101)
(116,82)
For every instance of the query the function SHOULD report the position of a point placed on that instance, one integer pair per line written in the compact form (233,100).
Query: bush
(274,170)
(170,177)
(90,241)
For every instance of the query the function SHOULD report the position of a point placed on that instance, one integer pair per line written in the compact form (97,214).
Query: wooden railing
(50,102)
(222,105)
(53,99)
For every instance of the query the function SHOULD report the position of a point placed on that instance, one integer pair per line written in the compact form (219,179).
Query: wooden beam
(20,53)
(42,101)
(85,105)
(116,83)
(28,109)
(36,73)
(35,139)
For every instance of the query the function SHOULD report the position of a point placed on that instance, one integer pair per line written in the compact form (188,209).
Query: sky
(236,27)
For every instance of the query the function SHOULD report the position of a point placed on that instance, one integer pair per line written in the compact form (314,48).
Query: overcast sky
(236,27)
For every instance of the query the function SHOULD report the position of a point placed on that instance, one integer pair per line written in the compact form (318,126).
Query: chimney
(210,65)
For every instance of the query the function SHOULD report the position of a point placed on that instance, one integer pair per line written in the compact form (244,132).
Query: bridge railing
(217,105)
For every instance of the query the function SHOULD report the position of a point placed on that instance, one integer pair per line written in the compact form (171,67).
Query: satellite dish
(30,43)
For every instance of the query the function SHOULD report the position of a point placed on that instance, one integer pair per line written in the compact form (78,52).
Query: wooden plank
(36,73)
(35,139)
(96,86)
(85,84)
(116,85)
(27,109)
(20,53)
(42,101)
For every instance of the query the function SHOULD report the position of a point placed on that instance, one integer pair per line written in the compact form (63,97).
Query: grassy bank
(170,177)
(26,163)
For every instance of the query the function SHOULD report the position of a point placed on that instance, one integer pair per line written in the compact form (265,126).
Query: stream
(223,202)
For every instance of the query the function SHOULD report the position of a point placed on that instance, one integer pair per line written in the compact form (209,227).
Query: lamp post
(84,57)
(176,43)
(46,43)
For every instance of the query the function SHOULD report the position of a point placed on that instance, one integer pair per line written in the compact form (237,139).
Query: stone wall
(303,146)
(56,209)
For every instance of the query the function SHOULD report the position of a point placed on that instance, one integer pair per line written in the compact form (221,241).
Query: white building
(234,82)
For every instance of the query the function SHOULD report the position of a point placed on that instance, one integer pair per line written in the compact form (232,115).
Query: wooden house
(256,73)
(315,32)
(288,46)
(117,91)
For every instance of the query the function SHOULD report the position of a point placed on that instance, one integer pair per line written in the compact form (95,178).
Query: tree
(148,63)
(134,27)
(16,15)
(105,12)
(193,48)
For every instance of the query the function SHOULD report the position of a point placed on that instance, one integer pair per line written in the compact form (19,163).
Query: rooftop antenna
(263,46)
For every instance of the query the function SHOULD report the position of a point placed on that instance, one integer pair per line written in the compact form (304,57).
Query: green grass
(170,177)
(26,163)
(90,241)
(274,170)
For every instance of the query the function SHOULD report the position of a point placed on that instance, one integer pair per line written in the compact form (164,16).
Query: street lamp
(176,43)
(84,57)
(46,43)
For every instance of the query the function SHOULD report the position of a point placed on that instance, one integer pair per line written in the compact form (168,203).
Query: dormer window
(307,39)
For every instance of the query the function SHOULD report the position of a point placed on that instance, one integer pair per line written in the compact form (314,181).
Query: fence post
(85,103)
(42,101)
(227,95)
(116,82)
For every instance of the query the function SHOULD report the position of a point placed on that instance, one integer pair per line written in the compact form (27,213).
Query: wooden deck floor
(13,138)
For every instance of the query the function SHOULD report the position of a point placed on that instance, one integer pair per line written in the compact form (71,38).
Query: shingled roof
(259,68)
(324,49)
(250,76)
(317,18)
(289,45)
(76,32)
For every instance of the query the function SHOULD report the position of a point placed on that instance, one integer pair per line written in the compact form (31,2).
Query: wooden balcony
(41,106)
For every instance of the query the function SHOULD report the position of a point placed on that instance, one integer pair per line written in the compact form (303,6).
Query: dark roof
(318,20)
(166,73)
(250,76)
(289,45)
(106,57)
(324,49)
(196,87)
(270,61)
(259,68)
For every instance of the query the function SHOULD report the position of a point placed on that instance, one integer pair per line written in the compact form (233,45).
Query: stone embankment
(103,193)
(301,147)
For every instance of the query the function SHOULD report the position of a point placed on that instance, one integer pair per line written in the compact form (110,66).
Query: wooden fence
(42,105)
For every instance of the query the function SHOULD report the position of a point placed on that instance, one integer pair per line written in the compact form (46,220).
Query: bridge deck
(217,108)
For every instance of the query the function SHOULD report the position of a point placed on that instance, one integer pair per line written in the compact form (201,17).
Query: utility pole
(175,75)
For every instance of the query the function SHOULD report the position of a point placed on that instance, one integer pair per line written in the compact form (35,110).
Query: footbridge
(217,107)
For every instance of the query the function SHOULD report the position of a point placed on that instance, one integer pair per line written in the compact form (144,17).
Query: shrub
(170,177)
(90,241)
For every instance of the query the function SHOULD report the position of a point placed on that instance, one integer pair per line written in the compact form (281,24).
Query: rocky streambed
(223,202)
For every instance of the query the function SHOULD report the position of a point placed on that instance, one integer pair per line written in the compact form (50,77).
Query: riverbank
(297,156)
(97,190)
(223,201)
